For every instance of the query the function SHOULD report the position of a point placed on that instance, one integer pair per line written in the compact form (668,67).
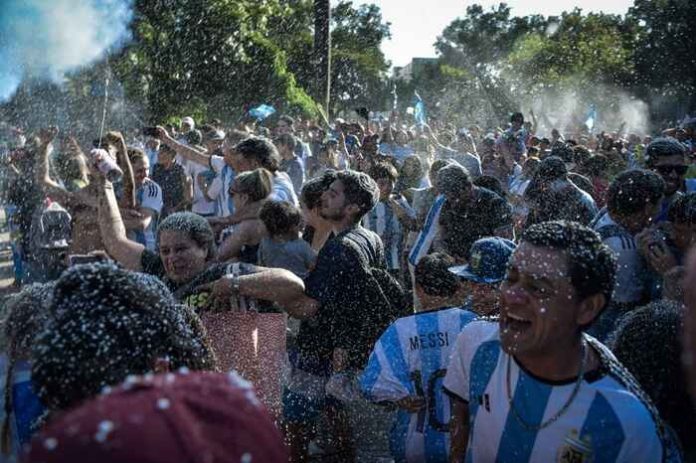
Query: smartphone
(79,259)
(150,132)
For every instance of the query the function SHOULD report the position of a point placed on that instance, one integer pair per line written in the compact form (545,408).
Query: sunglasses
(666,170)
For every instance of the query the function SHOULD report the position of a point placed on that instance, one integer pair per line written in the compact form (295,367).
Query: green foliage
(498,63)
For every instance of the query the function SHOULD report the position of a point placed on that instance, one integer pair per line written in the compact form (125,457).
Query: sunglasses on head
(666,170)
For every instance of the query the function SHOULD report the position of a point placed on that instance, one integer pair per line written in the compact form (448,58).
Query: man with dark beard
(337,320)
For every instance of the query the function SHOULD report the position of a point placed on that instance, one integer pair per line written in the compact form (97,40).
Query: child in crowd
(284,248)
(409,361)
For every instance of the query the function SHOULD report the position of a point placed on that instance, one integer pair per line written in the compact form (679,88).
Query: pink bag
(253,344)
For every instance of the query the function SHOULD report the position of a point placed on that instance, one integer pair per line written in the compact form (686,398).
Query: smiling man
(534,387)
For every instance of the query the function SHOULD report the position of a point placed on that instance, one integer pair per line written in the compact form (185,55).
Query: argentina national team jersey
(410,359)
(149,196)
(383,221)
(607,421)
(225,206)
(428,233)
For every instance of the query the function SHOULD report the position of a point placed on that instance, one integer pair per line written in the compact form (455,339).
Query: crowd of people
(446,293)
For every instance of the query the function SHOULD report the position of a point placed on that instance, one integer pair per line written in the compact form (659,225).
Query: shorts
(304,396)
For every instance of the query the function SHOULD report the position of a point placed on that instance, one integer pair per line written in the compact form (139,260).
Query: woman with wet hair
(105,324)
(27,314)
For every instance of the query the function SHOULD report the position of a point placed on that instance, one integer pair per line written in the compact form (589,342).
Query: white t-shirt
(606,421)
(149,196)
(201,174)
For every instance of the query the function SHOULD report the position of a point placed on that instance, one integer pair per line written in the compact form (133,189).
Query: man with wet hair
(409,360)
(534,387)
(340,308)
(106,324)
(632,201)
(469,212)
(551,195)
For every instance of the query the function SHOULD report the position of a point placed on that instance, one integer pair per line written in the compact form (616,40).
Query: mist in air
(46,40)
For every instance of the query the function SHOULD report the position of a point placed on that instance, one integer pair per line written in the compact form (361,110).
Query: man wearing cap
(409,360)
(485,270)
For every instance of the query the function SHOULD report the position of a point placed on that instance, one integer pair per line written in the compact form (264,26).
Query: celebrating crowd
(361,291)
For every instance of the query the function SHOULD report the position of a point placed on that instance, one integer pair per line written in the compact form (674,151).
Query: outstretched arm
(187,152)
(116,139)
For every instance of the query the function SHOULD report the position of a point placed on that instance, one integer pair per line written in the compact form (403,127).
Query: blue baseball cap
(488,261)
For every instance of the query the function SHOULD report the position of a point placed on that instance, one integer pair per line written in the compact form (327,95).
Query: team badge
(575,449)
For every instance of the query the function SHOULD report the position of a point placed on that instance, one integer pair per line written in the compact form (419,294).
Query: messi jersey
(410,359)
(607,421)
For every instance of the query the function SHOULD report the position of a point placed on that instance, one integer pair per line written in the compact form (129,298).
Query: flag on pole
(262,112)
(591,118)
(419,112)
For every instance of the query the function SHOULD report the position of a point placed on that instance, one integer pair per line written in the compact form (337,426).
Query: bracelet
(234,281)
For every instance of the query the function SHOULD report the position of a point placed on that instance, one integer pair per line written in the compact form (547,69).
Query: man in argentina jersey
(534,387)
(149,203)
(409,362)
(385,218)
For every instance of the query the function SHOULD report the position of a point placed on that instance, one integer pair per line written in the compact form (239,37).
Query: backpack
(50,236)
(51,228)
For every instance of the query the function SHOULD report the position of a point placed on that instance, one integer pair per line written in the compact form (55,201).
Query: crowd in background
(505,294)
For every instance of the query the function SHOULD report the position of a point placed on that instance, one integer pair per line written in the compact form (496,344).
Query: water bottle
(106,165)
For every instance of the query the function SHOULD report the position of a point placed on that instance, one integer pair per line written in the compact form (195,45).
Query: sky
(415,24)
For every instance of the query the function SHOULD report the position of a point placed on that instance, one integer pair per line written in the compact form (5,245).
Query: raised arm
(116,139)
(43,177)
(128,253)
(187,152)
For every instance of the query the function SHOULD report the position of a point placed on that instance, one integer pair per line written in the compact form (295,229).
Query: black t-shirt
(172,182)
(465,222)
(342,283)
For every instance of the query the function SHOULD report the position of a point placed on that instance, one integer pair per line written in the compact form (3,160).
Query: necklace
(563,409)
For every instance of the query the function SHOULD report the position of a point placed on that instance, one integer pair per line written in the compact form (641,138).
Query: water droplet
(50,443)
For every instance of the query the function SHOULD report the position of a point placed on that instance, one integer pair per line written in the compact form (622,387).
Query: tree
(358,68)
(208,57)
(665,62)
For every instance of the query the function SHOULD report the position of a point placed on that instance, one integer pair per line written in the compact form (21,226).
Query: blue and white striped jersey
(149,196)
(607,421)
(427,235)
(226,174)
(383,221)
(410,359)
